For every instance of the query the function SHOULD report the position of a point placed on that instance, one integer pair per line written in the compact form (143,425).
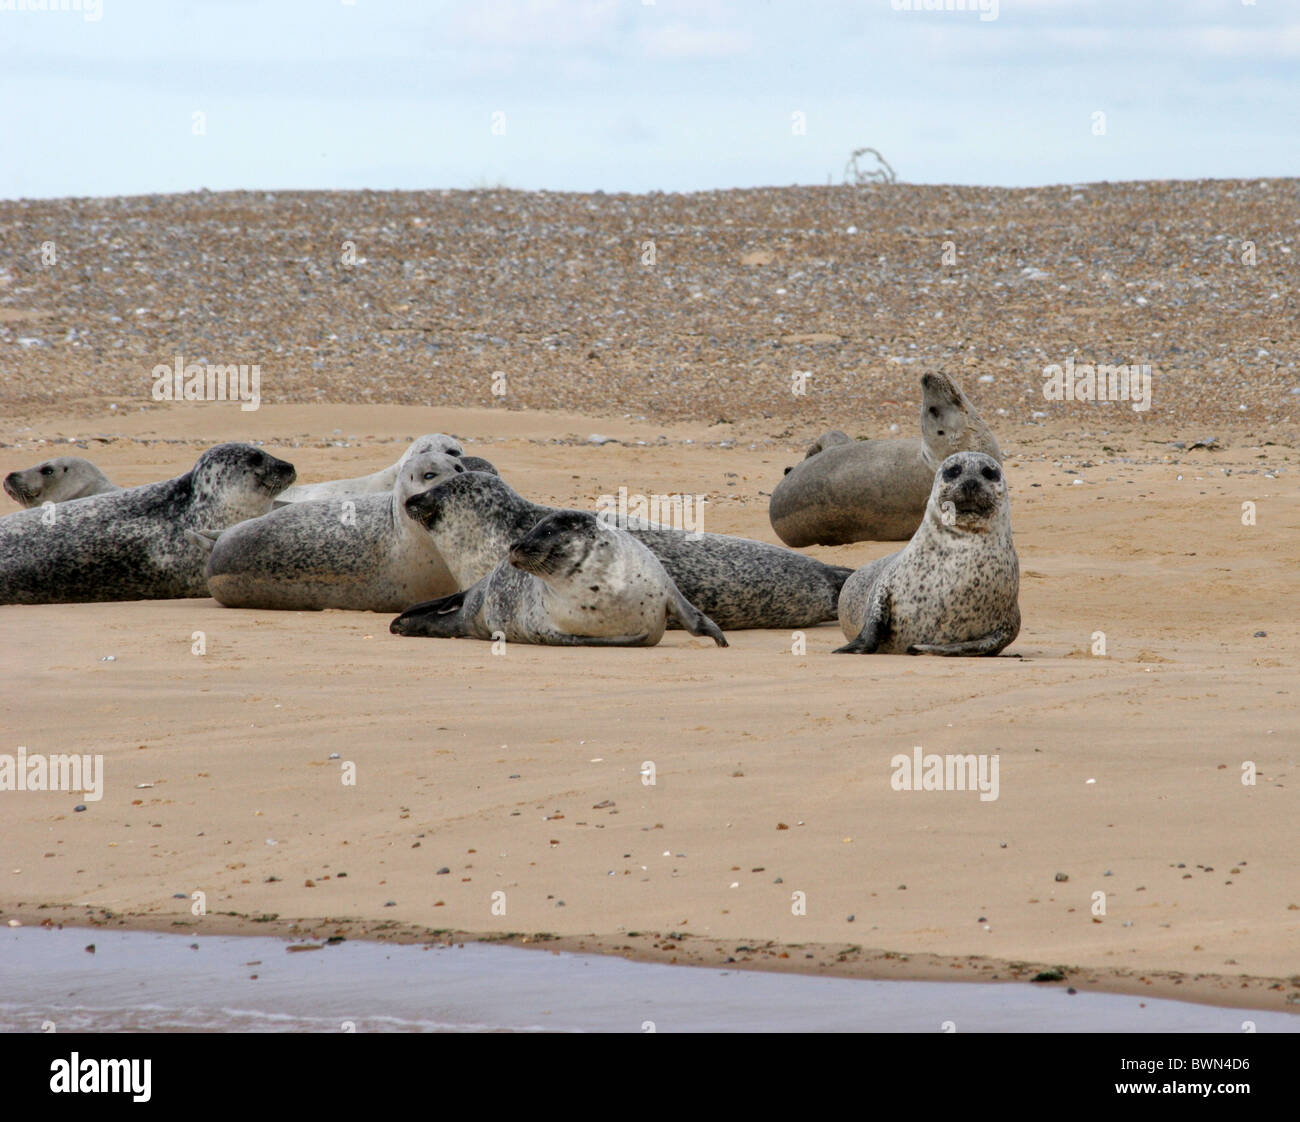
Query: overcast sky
(627,95)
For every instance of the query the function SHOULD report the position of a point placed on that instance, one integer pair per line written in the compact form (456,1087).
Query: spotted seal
(954,588)
(135,544)
(736,582)
(875,490)
(57,481)
(572,580)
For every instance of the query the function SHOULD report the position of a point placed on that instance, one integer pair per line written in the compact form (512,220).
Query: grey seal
(361,552)
(954,588)
(875,490)
(381,482)
(738,583)
(57,481)
(135,544)
(572,580)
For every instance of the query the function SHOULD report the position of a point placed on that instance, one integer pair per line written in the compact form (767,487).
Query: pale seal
(381,482)
(359,552)
(954,588)
(876,490)
(572,580)
(57,481)
(135,544)
(738,583)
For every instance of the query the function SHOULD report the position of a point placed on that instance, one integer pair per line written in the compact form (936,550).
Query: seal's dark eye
(452,452)
(991,474)
(257,459)
(47,471)
(934,411)
(430,475)
(951,473)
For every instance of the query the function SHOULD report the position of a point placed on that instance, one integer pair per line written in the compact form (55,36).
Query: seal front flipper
(692,619)
(437,619)
(989,644)
(563,639)
(204,538)
(874,632)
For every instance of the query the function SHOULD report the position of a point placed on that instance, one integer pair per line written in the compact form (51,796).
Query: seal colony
(362,552)
(57,481)
(135,544)
(954,588)
(848,490)
(475,518)
(572,580)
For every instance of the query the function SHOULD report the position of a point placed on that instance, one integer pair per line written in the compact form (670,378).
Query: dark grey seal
(135,544)
(736,582)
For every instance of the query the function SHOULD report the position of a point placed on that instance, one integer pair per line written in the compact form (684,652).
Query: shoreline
(850,961)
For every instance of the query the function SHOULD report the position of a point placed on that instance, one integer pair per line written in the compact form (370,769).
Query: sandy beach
(522,774)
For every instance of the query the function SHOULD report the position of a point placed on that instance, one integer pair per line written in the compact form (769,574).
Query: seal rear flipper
(989,644)
(437,619)
(693,620)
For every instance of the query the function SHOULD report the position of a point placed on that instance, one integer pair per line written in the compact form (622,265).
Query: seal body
(571,580)
(381,482)
(954,588)
(738,583)
(57,481)
(876,490)
(361,552)
(135,544)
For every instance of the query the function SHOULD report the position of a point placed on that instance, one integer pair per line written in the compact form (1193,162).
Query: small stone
(1062,876)
(79,807)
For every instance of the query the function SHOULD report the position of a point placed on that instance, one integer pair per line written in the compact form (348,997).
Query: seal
(381,482)
(954,588)
(876,490)
(736,582)
(57,481)
(135,544)
(572,580)
(361,552)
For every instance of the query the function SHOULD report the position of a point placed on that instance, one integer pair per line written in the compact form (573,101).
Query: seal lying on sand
(135,544)
(876,490)
(954,588)
(381,482)
(572,580)
(474,518)
(362,552)
(57,481)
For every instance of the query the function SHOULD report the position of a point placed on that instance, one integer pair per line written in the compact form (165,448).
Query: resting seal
(739,583)
(876,490)
(953,589)
(572,580)
(381,482)
(359,552)
(135,544)
(57,481)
